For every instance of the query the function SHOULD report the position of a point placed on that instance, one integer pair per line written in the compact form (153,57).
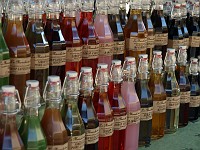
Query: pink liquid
(133,105)
(105,35)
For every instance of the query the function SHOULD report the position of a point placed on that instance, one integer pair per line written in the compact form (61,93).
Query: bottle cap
(71,74)
(8,88)
(157,52)
(32,83)
(195,60)
(102,65)
(183,47)
(143,56)
(86,69)
(130,59)
(116,62)
(53,78)
(171,50)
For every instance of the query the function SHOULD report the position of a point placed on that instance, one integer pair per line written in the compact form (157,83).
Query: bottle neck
(53,16)
(143,76)
(157,76)
(72,98)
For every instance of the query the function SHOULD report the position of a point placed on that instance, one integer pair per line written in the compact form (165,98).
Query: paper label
(175,44)
(133,117)
(119,47)
(159,106)
(77,142)
(120,122)
(106,49)
(58,147)
(151,41)
(194,101)
(91,136)
(90,51)
(194,41)
(185,97)
(106,128)
(146,114)
(173,102)
(20,66)
(137,44)
(39,61)
(73,54)
(161,39)
(187,42)
(57,58)
(5,68)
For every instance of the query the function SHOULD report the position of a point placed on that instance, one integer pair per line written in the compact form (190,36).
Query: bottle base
(144,143)
(156,137)
(170,131)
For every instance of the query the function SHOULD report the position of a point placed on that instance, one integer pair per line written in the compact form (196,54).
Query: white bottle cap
(53,78)
(183,47)
(143,55)
(102,65)
(32,83)
(171,50)
(130,59)
(194,60)
(71,74)
(86,69)
(116,62)
(157,52)
(8,88)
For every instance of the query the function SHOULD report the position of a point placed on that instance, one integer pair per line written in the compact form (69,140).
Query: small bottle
(118,105)
(158,96)
(146,102)
(132,103)
(184,86)
(72,120)
(52,124)
(31,121)
(195,90)
(173,92)
(10,106)
(86,109)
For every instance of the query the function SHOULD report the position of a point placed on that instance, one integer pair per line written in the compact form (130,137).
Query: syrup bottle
(122,12)
(72,39)
(146,102)
(52,124)
(86,109)
(132,103)
(38,43)
(72,120)
(118,105)
(158,96)
(88,35)
(10,106)
(104,33)
(116,27)
(31,121)
(55,39)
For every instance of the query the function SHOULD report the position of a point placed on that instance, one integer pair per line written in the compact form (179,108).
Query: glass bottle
(38,43)
(173,92)
(158,96)
(146,102)
(118,105)
(104,33)
(52,124)
(122,12)
(31,121)
(132,103)
(18,46)
(73,122)
(184,85)
(86,109)
(160,26)
(52,30)
(116,27)
(195,90)
(10,105)
(87,33)
(135,32)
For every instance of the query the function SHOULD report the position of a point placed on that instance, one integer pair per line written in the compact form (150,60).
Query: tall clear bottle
(132,103)
(18,46)
(135,32)
(104,32)
(72,39)
(38,43)
(10,106)
(52,124)
(72,119)
(173,92)
(31,121)
(87,110)
(146,102)
(158,96)
(118,105)
(122,12)
(87,33)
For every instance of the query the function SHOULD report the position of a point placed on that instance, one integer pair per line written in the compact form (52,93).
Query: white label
(185,97)
(91,136)
(73,54)
(146,114)
(39,61)
(106,128)
(137,44)
(120,122)
(161,39)
(194,101)
(58,147)
(5,68)
(150,41)
(133,117)
(57,58)
(119,47)
(77,142)
(159,106)
(173,102)
(90,51)
(106,49)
